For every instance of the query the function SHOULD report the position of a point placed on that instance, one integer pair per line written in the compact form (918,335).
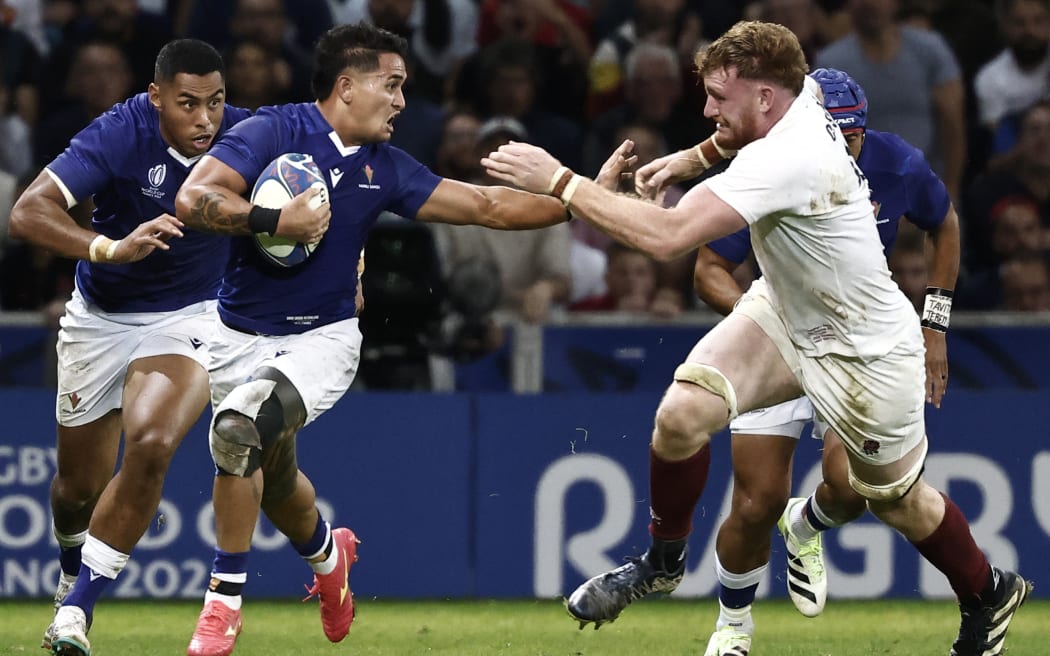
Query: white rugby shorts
(786,419)
(876,406)
(320,363)
(95,348)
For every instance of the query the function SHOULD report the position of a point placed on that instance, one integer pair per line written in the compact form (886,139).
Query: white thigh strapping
(320,363)
(95,348)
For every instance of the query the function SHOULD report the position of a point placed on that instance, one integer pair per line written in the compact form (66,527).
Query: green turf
(529,628)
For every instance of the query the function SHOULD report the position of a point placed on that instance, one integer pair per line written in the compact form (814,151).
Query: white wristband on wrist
(570,189)
(937,310)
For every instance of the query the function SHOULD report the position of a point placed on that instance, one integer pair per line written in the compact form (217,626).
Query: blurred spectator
(138,34)
(509,84)
(16,150)
(557,31)
(98,79)
(33,278)
(27,17)
(916,80)
(210,20)
(1025,282)
(804,18)
(631,282)
(441,34)
(266,23)
(251,76)
(1023,174)
(652,97)
(667,22)
(20,68)
(457,153)
(533,265)
(1017,78)
(908,265)
(1015,231)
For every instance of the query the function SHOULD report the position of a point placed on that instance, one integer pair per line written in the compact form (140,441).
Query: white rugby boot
(807,581)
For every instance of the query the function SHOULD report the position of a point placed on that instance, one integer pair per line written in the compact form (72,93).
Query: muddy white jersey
(814,236)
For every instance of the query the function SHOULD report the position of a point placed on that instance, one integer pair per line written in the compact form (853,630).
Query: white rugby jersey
(814,236)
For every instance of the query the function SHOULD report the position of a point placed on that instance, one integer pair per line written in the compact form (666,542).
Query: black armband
(263,219)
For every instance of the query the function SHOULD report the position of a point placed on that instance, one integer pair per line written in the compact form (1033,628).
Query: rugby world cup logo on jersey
(369,172)
(155,176)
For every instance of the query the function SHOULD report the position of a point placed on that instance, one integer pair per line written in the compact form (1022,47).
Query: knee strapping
(236,445)
(890,491)
(711,379)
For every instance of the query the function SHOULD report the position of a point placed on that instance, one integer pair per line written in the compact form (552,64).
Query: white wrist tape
(554,178)
(570,189)
(102,249)
(937,310)
(700,156)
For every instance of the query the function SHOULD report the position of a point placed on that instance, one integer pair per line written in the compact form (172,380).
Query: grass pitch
(528,628)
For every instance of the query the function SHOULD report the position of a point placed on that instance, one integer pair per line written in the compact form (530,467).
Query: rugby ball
(282,180)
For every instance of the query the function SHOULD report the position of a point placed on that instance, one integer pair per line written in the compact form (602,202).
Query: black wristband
(263,219)
(940,291)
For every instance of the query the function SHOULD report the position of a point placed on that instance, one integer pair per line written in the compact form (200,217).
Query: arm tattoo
(207,214)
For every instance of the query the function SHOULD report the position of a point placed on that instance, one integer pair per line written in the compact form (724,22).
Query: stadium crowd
(575,77)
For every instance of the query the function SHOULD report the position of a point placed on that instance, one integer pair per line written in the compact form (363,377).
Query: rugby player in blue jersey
(133,343)
(902,185)
(291,333)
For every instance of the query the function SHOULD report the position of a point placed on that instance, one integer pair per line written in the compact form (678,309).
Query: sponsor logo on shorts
(280,353)
(871,447)
(69,404)
(196,343)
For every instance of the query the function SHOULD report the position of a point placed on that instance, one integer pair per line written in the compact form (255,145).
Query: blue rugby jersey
(121,159)
(902,185)
(363,181)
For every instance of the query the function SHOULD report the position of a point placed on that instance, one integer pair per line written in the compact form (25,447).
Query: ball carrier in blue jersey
(825,320)
(133,343)
(291,333)
(763,441)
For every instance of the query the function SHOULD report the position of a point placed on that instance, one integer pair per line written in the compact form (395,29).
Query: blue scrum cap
(843,98)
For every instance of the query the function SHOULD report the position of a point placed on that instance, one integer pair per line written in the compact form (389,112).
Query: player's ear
(154,95)
(344,86)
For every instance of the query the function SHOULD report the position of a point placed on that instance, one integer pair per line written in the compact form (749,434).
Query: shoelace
(811,550)
(212,611)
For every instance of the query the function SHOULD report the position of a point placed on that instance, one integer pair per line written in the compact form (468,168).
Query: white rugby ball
(282,180)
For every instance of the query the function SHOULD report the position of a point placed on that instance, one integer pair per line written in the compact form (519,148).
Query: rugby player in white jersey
(826,321)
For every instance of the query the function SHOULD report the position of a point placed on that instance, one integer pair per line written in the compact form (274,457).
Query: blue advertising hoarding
(524,496)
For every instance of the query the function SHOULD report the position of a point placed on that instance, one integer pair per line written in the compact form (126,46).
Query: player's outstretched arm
(211,200)
(40,217)
(944,272)
(501,208)
(713,280)
(661,233)
(651,180)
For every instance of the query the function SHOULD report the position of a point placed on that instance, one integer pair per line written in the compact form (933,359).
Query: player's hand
(146,238)
(936,366)
(305,218)
(618,166)
(523,165)
(651,180)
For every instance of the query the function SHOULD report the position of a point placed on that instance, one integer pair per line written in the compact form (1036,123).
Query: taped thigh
(711,379)
(891,491)
(232,450)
